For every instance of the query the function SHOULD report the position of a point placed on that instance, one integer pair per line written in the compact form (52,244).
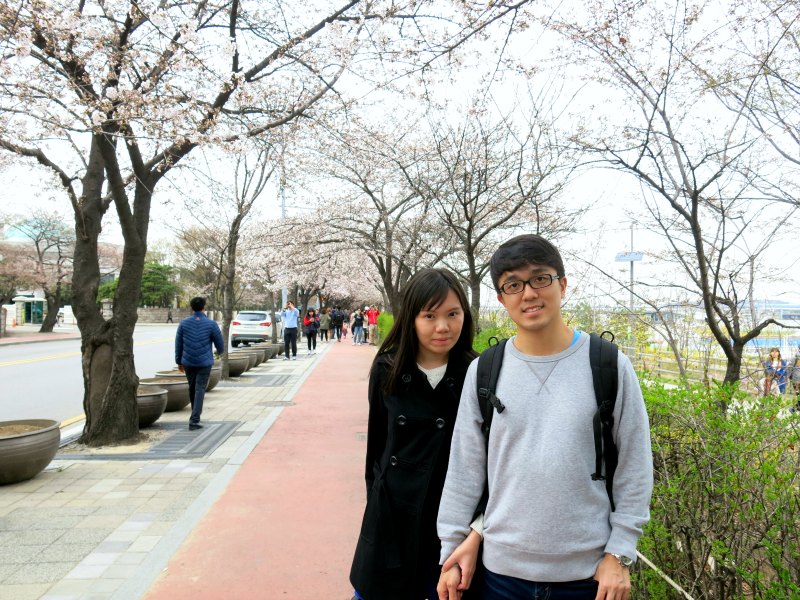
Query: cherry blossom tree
(490,178)
(699,175)
(45,258)
(109,97)
(374,209)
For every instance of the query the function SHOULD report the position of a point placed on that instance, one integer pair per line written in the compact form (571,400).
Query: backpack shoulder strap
(603,355)
(489,363)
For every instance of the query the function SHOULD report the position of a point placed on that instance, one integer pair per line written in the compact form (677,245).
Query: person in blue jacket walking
(193,354)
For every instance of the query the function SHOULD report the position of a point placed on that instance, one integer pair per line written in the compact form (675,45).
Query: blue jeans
(358,335)
(198,381)
(505,587)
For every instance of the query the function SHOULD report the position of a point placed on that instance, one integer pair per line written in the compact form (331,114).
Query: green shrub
(724,516)
(385,322)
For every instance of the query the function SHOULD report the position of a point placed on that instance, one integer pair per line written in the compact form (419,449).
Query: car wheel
(235,344)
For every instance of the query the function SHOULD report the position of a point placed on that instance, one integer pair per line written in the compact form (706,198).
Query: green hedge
(725,515)
(385,322)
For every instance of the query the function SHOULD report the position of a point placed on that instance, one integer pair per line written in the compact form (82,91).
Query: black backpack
(603,361)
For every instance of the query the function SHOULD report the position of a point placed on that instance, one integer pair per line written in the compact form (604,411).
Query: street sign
(629,256)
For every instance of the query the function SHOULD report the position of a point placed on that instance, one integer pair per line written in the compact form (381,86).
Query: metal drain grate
(266,380)
(180,443)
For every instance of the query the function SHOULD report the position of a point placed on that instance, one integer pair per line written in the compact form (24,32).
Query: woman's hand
(447,588)
(465,557)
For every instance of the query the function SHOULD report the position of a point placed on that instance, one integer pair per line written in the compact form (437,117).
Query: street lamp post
(630,257)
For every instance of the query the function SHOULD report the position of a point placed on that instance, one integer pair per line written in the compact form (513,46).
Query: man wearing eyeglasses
(549,530)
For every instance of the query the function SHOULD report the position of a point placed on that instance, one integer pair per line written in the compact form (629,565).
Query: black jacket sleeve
(378,425)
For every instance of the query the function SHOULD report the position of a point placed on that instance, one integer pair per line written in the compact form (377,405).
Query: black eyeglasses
(536,282)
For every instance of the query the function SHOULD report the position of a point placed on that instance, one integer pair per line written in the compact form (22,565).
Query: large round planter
(213,378)
(237,364)
(278,349)
(25,454)
(269,350)
(263,354)
(177,391)
(252,357)
(150,404)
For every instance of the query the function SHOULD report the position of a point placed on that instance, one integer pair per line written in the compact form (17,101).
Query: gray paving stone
(84,536)
(23,592)
(113,547)
(59,552)
(6,570)
(37,537)
(21,521)
(39,573)
(15,555)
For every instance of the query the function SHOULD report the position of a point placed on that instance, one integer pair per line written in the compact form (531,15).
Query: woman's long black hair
(426,290)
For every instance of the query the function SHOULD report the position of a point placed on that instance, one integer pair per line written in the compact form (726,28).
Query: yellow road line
(69,422)
(27,361)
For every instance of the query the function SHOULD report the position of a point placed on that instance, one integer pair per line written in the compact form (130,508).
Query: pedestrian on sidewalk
(372,321)
(194,356)
(324,324)
(414,389)
(337,321)
(290,316)
(310,327)
(358,327)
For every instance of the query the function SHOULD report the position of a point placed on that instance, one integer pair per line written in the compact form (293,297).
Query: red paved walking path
(287,524)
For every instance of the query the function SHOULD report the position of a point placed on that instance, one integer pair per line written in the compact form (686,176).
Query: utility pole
(282,198)
(631,256)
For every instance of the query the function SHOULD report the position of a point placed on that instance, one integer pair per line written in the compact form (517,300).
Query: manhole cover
(180,443)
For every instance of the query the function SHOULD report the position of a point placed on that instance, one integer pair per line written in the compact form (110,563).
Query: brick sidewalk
(287,524)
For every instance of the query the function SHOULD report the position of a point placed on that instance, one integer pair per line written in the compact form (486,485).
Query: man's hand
(180,368)
(614,579)
(465,557)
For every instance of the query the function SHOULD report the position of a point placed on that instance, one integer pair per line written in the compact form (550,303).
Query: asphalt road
(43,380)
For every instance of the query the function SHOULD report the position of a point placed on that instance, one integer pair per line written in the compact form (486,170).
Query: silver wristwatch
(625,561)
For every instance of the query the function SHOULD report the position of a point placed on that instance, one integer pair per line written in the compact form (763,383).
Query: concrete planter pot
(237,364)
(252,357)
(213,378)
(263,354)
(150,404)
(277,348)
(26,447)
(177,391)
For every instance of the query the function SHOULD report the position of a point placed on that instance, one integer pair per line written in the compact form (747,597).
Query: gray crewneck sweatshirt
(546,520)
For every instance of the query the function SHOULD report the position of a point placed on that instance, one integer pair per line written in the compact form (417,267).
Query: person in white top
(414,389)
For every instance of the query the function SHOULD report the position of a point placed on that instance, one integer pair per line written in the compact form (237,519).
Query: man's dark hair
(522,251)
(198,303)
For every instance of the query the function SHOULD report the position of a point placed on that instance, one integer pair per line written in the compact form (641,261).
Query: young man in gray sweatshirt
(548,529)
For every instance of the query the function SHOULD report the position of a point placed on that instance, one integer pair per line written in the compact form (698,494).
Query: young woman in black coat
(414,389)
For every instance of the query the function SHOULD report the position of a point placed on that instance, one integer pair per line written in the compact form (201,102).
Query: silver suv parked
(253,326)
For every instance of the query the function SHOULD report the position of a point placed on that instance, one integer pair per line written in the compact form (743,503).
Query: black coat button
(451,381)
(393,461)
(439,423)
(401,420)
(406,378)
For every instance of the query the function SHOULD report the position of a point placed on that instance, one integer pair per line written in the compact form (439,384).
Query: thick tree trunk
(109,373)
(475,300)
(228,291)
(51,318)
